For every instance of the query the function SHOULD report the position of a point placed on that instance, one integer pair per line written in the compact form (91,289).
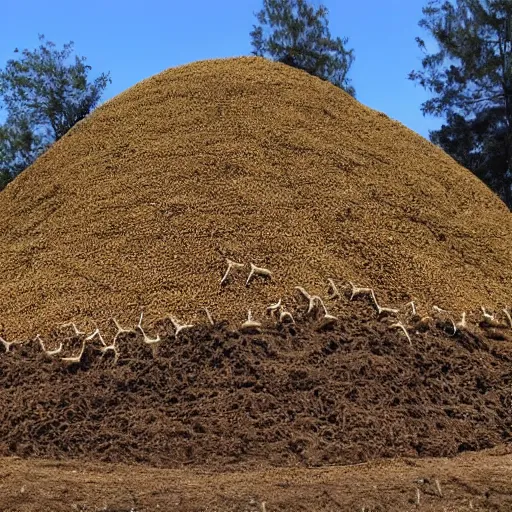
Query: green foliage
(297,34)
(470,78)
(44,93)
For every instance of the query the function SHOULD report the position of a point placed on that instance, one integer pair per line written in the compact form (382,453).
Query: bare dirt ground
(472,481)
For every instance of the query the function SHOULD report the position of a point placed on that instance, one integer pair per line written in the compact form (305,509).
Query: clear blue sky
(136,39)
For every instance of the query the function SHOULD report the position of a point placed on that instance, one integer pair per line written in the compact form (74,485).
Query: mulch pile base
(288,396)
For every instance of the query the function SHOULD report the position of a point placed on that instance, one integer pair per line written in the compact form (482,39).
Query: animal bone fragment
(147,339)
(303,292)
(258,271)
(356,291)
(286,316)
(250,324)
(462,324)
(413,307)
(327,319)
(96,334)
(509,318)
(105,348)
(179,327)
(313,303)
(54,352)
(120,330)
(487,316)
(112,347)
(312,299)
(7,344)
(231,265)
(209,316)
(381,310)
(447,316)
(75,359)
(273,308)
(400,325)
(334,292)
(489,320)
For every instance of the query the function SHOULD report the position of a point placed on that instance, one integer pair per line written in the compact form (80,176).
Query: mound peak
(138,206)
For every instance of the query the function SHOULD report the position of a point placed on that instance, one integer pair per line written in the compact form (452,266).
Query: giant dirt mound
(138,206)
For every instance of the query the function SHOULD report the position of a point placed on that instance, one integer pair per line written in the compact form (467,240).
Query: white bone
(327,319)
(96,334)
(486,315)
(147,339)
(258,271)
(120,330)
(400,325)
(54,352)
(7,344)
(332,288)
(509,318)
(303,292)
(250,323)
(113,346)
(286,315)
(312,299)
(359,291)
(209,316)
(231,264)
(448,316)
(413,307)
(273,308)
(179,327)
(312,303)
(462,324)
(381,310)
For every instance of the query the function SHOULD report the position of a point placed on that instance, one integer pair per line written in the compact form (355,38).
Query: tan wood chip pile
(138,206)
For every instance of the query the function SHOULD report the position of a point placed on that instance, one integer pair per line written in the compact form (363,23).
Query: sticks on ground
(401,326)
(258,271)
(146,338)
(250,324)
(231,265)
(8,344)
(179,327)
(50,353)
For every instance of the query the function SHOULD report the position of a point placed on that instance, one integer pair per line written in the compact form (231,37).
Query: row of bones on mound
(315,303)
(315,308)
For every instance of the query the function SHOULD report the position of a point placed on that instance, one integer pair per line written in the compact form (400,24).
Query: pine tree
(470,78)
(297,34)
(44,93)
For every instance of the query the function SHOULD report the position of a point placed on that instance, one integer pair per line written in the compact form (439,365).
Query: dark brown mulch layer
(285,396)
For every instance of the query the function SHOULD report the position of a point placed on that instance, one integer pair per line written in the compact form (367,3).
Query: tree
(297,34)
(44,93)
(470,77)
